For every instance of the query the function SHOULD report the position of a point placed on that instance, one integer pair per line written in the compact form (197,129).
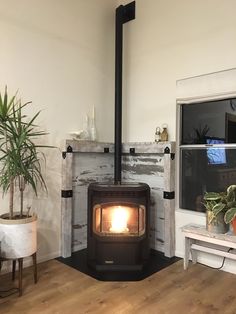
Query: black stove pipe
(123,14)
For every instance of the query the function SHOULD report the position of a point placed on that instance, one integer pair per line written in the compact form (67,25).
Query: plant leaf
(230,215)
(212,196)
(218,208)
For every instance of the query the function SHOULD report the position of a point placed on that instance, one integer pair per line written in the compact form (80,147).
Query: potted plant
(216,206)
(230,215)
(20,165)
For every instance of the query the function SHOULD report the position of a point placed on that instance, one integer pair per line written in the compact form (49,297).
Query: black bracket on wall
(68,150)
(128,12)
(106,150)
(132,150)
(66,193)
(167,151)
(169,195)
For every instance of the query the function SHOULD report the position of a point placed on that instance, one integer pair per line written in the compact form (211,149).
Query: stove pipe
(124,14)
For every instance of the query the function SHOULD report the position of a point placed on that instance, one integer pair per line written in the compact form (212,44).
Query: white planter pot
(18,237)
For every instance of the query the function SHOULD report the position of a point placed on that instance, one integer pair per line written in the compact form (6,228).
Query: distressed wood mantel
(84,162)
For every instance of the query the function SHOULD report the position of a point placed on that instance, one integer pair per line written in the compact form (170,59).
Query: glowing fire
(119,220)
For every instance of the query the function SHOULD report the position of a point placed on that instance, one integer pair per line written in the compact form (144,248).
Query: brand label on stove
(109,262)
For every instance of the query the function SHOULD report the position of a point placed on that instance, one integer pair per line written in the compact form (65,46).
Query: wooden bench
(194,233)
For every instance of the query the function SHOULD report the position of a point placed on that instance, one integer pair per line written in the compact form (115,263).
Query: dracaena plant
(20,158)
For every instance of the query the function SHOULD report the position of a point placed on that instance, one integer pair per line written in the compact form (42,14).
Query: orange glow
(119,220)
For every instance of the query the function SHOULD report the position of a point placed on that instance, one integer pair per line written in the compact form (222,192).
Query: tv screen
(216,155)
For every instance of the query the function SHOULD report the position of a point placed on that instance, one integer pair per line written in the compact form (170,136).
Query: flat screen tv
(216,155)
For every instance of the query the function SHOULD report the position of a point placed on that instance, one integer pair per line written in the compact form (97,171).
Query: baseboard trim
(212,261)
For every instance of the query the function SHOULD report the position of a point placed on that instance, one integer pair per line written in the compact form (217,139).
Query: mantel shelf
(140,147)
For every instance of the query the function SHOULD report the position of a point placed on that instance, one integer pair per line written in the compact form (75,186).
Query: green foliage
(231,204)
(222,202)
(214,203)
(19,156)
(218,208)
(212,196)
(230,215)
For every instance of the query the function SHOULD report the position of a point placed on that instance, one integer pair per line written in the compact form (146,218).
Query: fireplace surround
(89,162)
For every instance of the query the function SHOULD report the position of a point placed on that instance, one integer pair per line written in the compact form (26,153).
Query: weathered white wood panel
(149,168)
(87,168)
(89,146)
(156,241)
(66,206)
(79,236)
(169,205)
(147,147)
(157,220)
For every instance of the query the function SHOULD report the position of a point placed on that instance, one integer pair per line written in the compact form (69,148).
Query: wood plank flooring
(64,290)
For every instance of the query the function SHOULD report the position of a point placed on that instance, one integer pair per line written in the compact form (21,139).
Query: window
(207,150)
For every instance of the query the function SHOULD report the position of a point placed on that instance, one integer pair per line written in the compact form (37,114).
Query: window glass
(209,121)
(211,169)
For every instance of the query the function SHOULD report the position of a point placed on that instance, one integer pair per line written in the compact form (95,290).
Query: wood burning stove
(118,224)
(118,214)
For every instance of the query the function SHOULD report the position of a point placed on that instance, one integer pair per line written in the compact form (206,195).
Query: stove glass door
(119,219)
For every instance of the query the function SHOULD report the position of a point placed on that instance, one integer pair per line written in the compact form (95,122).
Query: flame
(119,220)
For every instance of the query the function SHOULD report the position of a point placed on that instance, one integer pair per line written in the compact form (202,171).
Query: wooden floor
(64,290)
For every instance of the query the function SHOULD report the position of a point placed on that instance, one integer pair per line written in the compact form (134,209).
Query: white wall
(60,55)
(171,40)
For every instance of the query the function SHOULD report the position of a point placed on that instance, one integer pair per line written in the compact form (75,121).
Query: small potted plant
(230,215)
(216,205)
(20,165)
